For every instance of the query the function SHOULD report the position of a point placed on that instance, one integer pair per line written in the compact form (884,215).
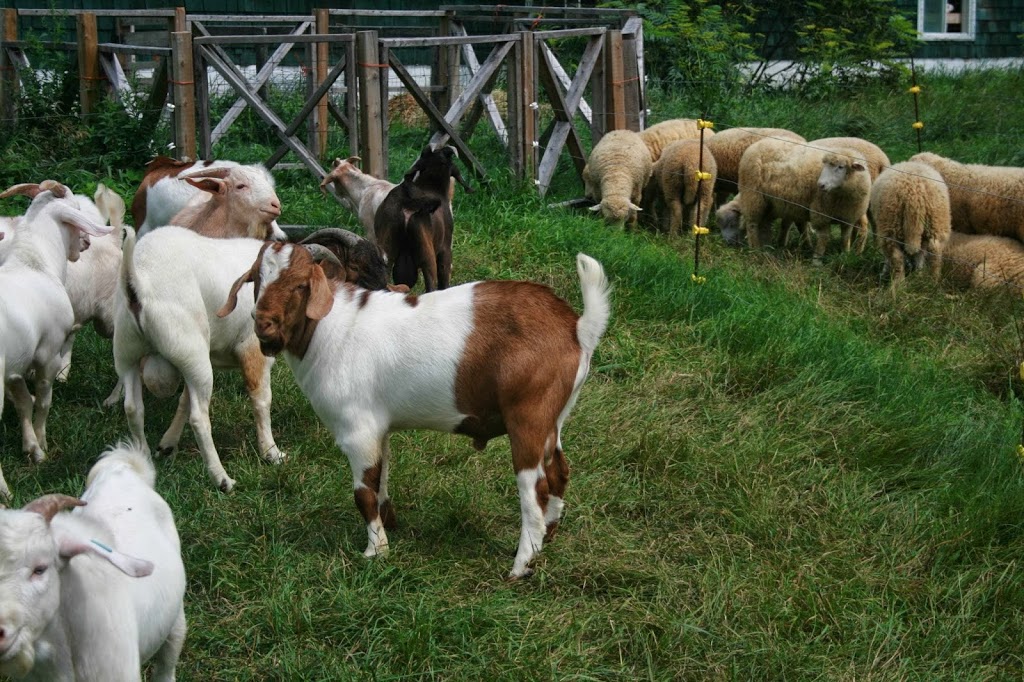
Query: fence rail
(351,88)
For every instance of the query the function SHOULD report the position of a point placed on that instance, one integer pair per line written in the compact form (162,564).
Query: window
(946,19)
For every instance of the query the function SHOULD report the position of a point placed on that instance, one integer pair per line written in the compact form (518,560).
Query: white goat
(73,607)
(172,283)
(92,280)
(35,313)
(361,192)
(500,357)
(215,198)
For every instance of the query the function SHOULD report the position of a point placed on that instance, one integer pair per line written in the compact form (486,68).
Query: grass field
(783,473)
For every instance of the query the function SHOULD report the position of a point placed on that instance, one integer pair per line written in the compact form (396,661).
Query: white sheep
(501,357)
(727,146)
(674,185)
(615,176)
(727,220)
(800,185)
(93,594)
(877,160)
(171,284)
(985,260)
(35,313)
(982,199)
(910,204)
(661,135)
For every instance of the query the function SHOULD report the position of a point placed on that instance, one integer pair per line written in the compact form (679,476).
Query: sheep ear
(857,166)
(595,208)
(321,297)
(634,206)
(68,546)
(211,185)
(232,301)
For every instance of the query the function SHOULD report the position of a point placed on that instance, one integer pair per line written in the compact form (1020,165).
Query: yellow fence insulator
(700,279)
(697,229)
(915,90)
(701,123)
(703,175)
(917,125)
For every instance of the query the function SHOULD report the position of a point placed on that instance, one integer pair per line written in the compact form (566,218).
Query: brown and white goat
(414,222)
(219,199)
(501,357)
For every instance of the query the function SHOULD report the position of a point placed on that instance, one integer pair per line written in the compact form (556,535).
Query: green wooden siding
(998,28)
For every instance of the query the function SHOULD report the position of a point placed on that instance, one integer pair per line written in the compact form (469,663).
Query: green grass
(783,473)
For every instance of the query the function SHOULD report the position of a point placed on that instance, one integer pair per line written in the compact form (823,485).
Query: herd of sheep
(928,210)
(208,281)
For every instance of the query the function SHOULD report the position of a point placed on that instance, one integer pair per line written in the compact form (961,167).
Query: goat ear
(75,219)
(69,546)
(232,301)
(211,185)
(321,296)
(458,176)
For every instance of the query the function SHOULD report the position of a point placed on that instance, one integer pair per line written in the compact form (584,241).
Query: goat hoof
(168,451)
(37,454)
(274,456)
(527,572)
(226,484)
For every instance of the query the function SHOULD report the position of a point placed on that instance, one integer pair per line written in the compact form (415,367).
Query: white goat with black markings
(36,316)
(172,283)
(91,595)
(500,357)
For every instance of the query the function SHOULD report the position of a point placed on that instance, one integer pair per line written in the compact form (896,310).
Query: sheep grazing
(214,198)
(167,329)
(982,199)
(727,146)
(95,593)
(985,261)
(414,223)
(800,185)
(910,203)
(661,135)
(876,159)
(35,314)
(674,184)
(502,357)
(727,220)
(361,192)
(615,176)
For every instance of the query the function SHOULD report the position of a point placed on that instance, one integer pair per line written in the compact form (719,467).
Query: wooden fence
(349,66)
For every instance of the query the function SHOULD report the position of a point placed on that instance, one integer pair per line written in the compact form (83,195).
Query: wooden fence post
(180,20)
(88,63)
(632,96)
(615,98)
(323,27)
(9,83)
(182,76)
(371,124)
(522,115)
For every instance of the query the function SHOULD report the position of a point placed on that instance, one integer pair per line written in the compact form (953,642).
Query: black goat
(413,224)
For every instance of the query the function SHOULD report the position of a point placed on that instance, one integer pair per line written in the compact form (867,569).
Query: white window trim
(967,22)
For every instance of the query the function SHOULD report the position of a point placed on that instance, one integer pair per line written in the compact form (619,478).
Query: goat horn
(333,234)
(219,173)
(60,191)
(319,252)
(28,189)
(47,506)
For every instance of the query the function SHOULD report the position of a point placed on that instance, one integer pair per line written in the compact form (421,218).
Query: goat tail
(127,453)
(596,302)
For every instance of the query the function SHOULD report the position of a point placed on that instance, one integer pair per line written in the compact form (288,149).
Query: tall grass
(783,473)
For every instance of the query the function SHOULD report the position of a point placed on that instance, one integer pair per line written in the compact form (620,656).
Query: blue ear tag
(99,544)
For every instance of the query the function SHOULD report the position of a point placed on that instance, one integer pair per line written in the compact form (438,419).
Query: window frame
(968,12)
